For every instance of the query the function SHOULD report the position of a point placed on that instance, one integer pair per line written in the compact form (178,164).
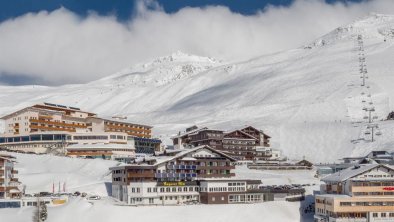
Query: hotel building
(43,128)
(9,184)
(362,193)
(242,144)
(183,176)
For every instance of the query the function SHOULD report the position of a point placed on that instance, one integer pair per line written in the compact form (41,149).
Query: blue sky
(124,8)
(55,42)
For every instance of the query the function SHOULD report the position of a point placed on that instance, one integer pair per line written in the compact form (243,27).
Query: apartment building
(183,176)
(241,144)
(362,193)
(45,127)
(9,184)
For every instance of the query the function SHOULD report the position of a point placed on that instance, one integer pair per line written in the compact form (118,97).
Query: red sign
(388,188)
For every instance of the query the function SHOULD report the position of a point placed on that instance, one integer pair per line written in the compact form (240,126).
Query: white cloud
(61,47)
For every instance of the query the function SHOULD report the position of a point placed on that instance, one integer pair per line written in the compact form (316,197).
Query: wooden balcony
(127,128)
(149,174)
(57,123)
(129,133)
(45,117)
(36,127)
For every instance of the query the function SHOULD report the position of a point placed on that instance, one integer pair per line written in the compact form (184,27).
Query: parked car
(84,194)
(45,194)
(95,197)
(77,193)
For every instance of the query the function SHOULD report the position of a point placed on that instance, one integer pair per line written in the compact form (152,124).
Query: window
(151,200)
(383,214)
(375,215)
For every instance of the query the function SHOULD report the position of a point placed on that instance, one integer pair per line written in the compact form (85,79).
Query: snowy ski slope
(308,99)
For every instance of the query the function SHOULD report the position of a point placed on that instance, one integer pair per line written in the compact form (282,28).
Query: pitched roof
(352,172)
(187,133)
(260,131)
(246,134)
(165,159)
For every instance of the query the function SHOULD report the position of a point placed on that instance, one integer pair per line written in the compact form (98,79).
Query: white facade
(150,193)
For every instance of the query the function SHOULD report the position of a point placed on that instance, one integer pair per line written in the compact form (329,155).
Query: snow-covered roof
(163,159)
(189,132)
(352,172)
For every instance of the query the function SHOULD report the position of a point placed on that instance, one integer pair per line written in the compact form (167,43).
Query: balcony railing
(227,167)
(181,167)
(175,175)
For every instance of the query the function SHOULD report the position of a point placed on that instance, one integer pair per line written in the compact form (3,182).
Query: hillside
(308,99)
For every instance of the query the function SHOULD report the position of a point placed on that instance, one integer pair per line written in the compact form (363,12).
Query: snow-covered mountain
(309,99)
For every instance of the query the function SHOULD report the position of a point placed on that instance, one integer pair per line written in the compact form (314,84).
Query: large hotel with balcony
(362,193)
(48,127)
(199,174)
(242,144)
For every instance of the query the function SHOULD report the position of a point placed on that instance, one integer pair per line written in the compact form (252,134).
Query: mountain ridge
(308,99)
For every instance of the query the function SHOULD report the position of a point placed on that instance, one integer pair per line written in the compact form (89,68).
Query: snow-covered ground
(307,99)
(38,171)
(79,210)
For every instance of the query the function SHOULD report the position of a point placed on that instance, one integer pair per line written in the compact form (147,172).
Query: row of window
(373,193)
(388,203)
(382,214)
(224,189)
(151,200)
(166,189)
(374,184)
(234,198)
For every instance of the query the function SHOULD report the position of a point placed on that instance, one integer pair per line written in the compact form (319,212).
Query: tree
(41,212)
